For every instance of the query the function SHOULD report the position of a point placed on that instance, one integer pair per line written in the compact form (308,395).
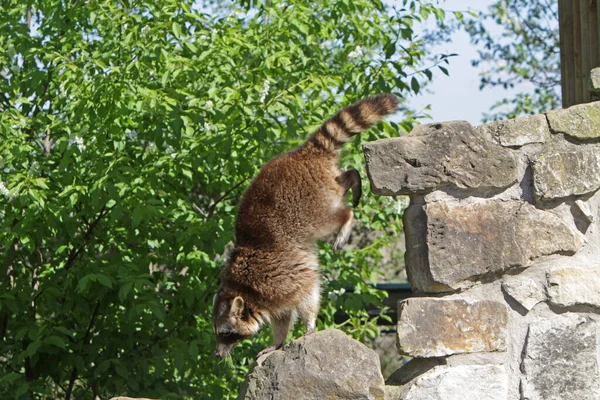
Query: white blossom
(335,294)
(209,104)
(34,168)
(144,31)
(516,25)
(4,190)
(357,52)
(151,147)
(501,64)
(77,140)
(264,91)
(171,151)
(207,127)
(401,204)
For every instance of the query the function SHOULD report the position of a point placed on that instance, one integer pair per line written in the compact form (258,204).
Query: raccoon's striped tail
(352,120)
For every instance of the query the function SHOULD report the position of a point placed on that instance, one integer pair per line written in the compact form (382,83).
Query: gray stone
(434,327)
(581,121)
(449,247)
(324,365)
(520,131)
(525,291)
(561,359)
(585,210)
(570,286)
(595,81)
(393,392)
(480,382)
(562,173)
(437,155)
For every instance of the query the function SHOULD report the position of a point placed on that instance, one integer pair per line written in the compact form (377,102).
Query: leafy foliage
(129,130)
(521,46)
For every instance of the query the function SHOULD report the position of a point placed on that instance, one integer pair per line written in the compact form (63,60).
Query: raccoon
(298,197)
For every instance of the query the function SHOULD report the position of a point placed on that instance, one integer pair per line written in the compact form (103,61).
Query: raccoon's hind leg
(281,325)
(345,218)
(308,309)
(351,180)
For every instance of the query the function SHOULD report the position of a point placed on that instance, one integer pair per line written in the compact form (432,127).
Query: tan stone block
(432,327)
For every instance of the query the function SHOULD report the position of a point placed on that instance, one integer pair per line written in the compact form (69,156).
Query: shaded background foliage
(129,130)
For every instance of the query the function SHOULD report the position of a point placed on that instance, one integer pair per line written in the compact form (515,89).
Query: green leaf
(136,217)
(124,291)
(176,29)
(104,280)
(414,84)
(55,341)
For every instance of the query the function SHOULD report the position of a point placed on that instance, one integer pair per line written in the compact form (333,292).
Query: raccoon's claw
(310,331)
(266,351)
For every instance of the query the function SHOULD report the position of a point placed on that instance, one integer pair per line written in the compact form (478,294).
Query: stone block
(526,291)
(325,365)
(562,173)
(438,155)
(585,210)
(450,246)
(480,382)
(434,327)
(561,359)
(581,121)
(519,131)
(595,80)
(568,286)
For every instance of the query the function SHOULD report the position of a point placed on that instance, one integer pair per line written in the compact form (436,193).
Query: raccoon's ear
(237,306)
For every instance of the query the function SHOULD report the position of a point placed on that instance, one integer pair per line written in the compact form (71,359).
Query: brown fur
(296,198)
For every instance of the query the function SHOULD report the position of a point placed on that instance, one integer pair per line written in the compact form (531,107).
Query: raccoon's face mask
(230,323)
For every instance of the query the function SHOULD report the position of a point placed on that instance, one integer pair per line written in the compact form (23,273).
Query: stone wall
(503,252)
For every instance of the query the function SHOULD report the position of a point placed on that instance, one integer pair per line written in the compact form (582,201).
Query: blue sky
(458,96)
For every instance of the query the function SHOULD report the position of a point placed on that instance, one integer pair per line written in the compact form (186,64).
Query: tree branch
(86,338)
(86,238)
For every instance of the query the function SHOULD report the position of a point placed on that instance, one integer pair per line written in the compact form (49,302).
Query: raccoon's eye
(226,333)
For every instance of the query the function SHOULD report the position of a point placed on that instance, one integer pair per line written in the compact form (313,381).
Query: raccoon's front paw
(341,239)
(266,351)
(310,331)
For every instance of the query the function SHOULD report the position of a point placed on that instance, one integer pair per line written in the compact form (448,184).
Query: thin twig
(86,238)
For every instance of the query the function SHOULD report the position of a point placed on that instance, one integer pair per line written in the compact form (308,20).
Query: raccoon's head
(232,321)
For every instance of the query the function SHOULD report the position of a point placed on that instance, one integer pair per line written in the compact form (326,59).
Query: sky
(457,97)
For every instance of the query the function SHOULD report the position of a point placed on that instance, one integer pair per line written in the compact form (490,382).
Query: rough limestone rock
(574,286)
(434,327)
(477,382)
(451,246)
(585,210)
(325,365)
(561,359)
(595,81)
(581,121)
(561,173)
(520,131)
(437,155)
(526,291)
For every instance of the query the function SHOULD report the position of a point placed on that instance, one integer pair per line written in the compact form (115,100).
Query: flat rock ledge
(437,155)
